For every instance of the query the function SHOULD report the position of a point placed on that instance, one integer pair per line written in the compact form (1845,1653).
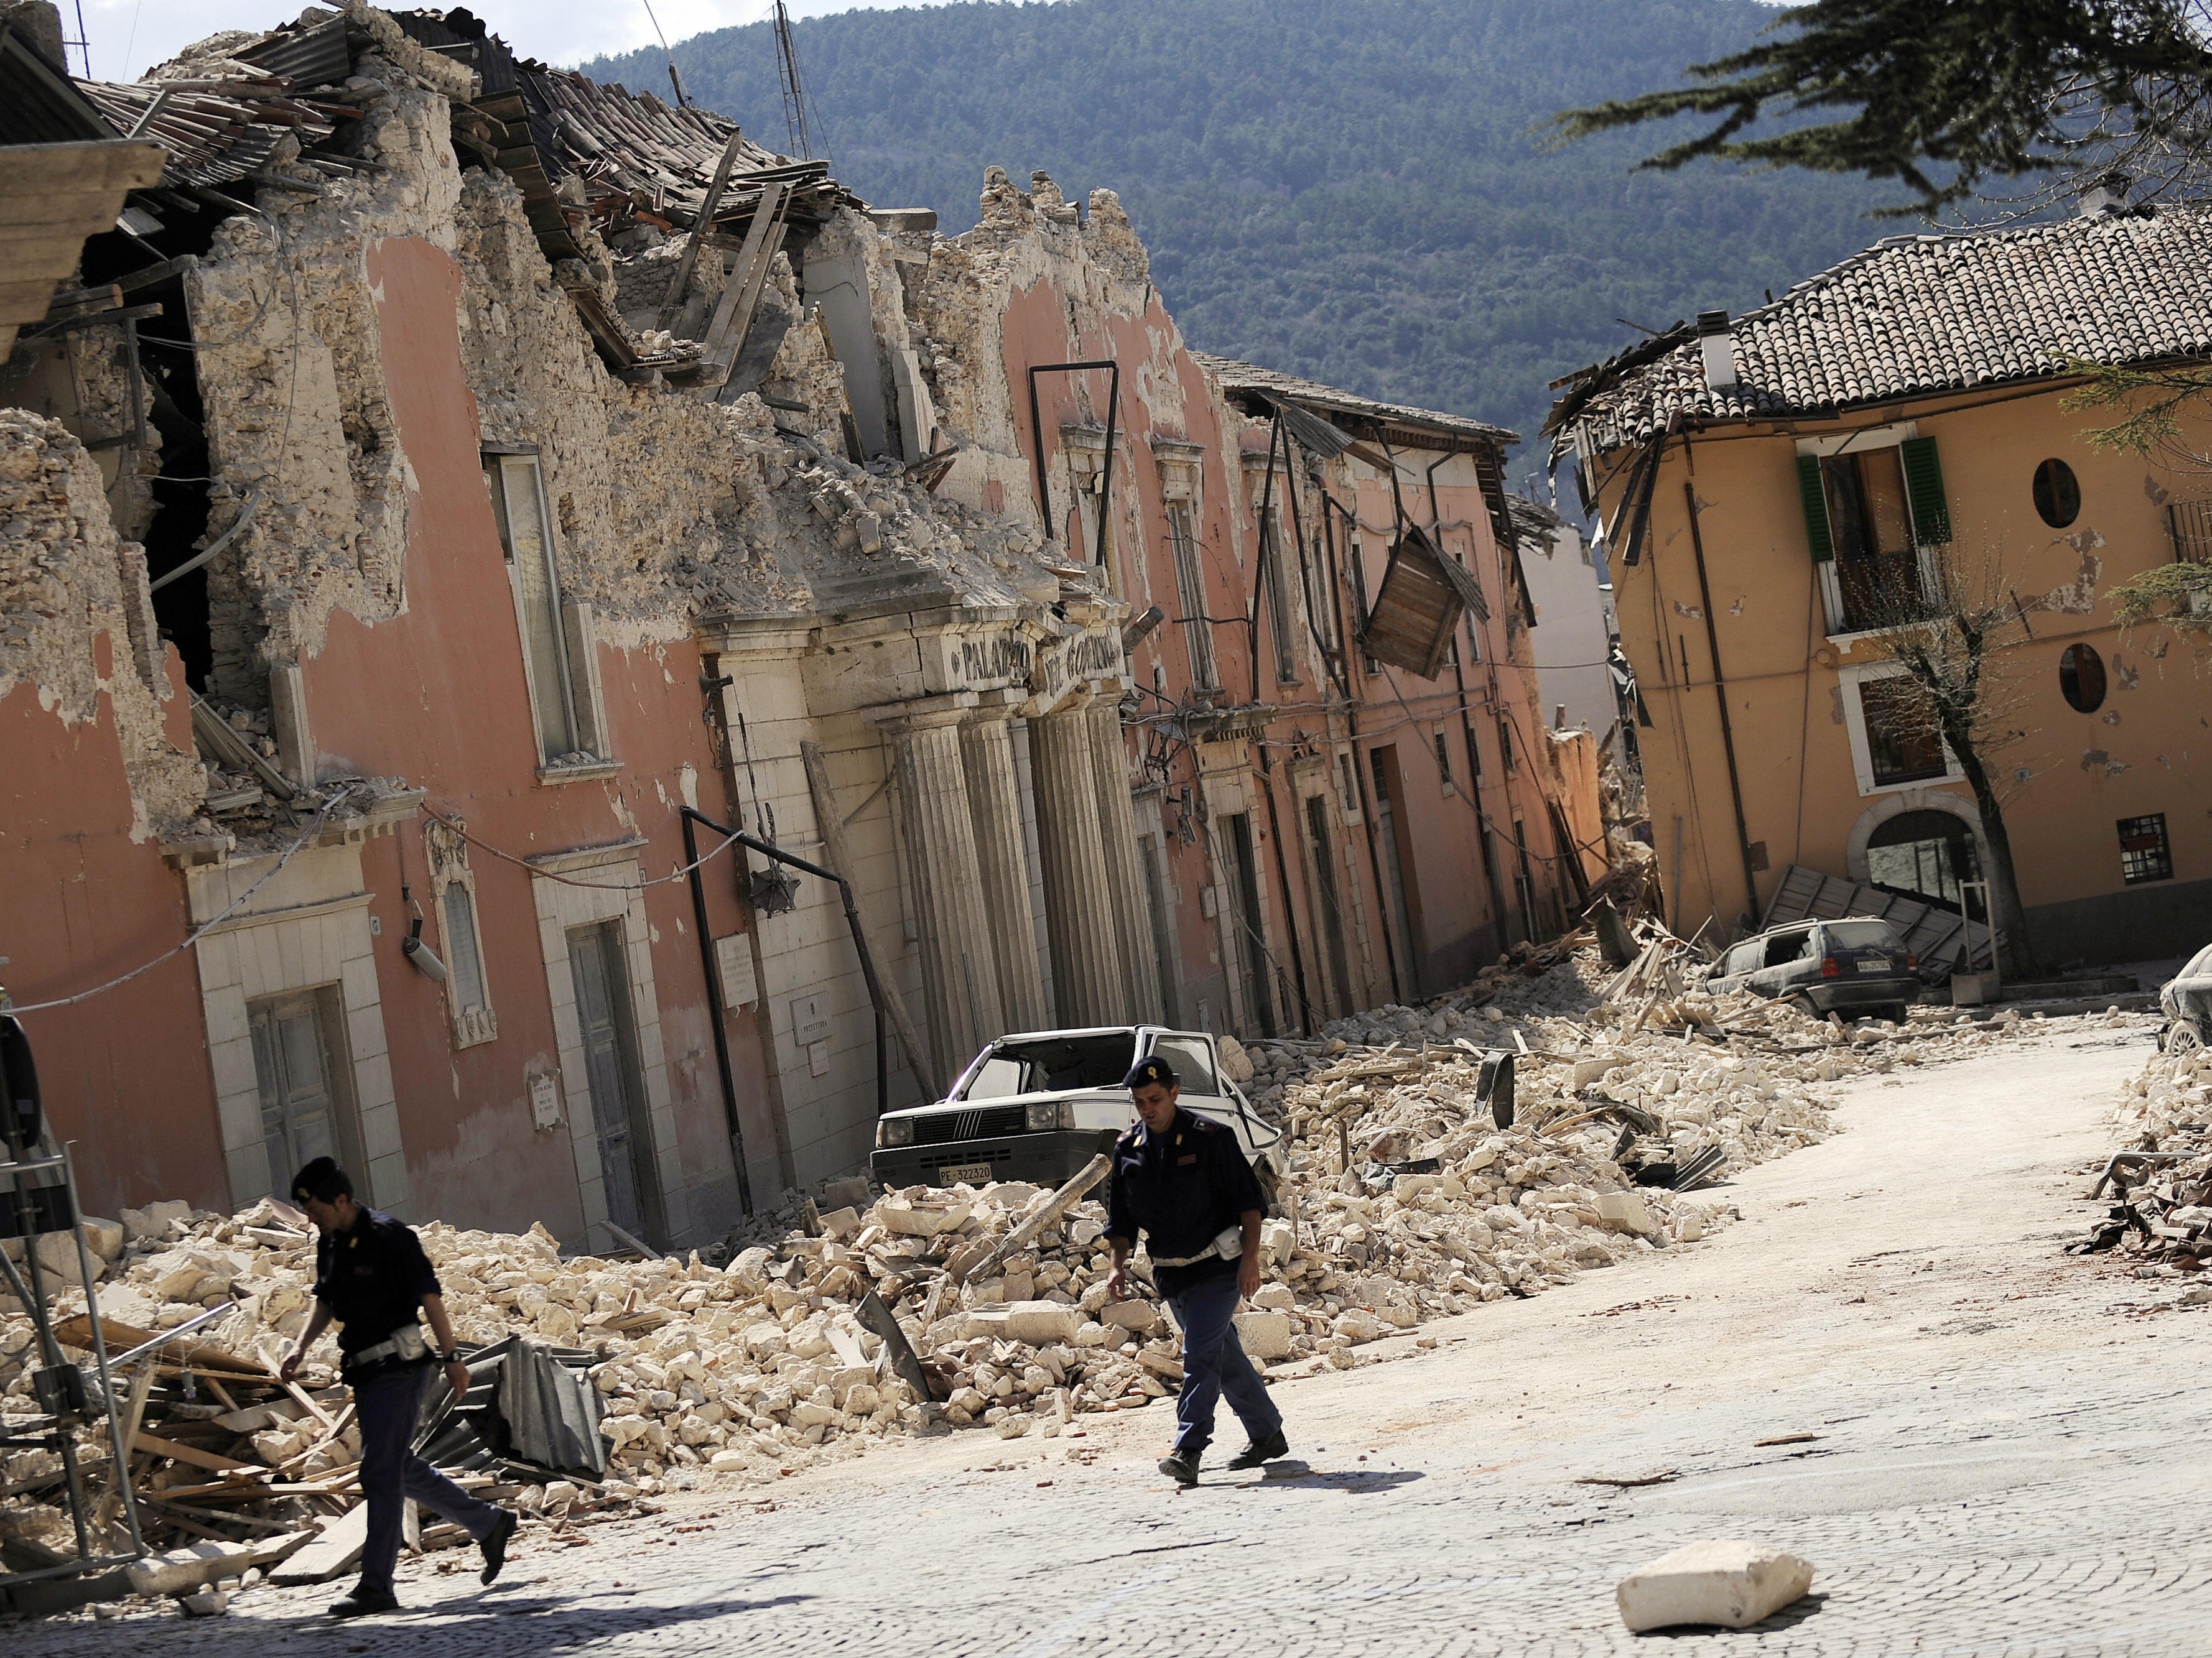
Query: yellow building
(1774,485)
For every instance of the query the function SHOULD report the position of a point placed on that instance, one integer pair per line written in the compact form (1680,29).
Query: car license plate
(973,1174)
(1875,964)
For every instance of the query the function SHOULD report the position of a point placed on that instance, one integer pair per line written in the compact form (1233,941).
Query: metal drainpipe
(1720,691)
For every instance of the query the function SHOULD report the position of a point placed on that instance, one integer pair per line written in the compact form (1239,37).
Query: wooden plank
(153,1445)
(109,164)
(741,297)
(204,1356)
(329,1555)
(699,226)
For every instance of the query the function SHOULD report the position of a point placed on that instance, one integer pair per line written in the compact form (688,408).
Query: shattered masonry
(516,554)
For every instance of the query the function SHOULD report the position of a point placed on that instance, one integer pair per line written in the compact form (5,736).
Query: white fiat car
(1037,1107)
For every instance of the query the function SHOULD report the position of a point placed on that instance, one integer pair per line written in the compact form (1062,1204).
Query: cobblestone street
(2004,1459)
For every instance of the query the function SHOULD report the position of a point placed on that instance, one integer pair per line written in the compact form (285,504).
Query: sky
(129,37)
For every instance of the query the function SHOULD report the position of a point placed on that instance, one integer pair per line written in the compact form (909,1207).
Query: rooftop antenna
(674,79)
(795,101)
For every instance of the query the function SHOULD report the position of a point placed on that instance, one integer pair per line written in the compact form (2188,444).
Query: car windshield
(1863,935)
(1054,1065)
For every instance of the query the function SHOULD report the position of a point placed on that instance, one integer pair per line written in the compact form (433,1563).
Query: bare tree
(1948,638)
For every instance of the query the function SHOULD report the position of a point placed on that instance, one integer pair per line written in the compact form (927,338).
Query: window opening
(1444,763)
(1190,589)
(2145,854)
(463,959)
(1280,611)
(2081,678)
(517,505)
(1903,744)
(1878,574)
(2057,493)
(1193,1060)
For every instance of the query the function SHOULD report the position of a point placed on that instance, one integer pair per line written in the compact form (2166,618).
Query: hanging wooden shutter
(1814,494)
(1923,487)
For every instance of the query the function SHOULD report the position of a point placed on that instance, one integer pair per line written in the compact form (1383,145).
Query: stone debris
(2158,1216)
(1405,1201)
(1731,1584)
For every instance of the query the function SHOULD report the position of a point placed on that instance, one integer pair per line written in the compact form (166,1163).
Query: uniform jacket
(372,1277)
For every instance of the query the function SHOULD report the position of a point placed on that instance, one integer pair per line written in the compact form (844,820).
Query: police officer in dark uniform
(1183,1183)
(372,1275)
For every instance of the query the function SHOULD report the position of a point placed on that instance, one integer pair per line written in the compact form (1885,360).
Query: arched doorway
(1924,854)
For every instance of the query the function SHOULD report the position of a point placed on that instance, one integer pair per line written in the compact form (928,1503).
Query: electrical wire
(677,874)
(315,827)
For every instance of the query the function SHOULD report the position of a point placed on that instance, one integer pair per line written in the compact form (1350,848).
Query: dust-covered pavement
(2005,1457)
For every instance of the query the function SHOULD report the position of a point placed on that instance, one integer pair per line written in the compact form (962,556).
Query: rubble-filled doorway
(618,1091)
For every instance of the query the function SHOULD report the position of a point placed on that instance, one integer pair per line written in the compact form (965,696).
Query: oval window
(2081,676)
(2057,493)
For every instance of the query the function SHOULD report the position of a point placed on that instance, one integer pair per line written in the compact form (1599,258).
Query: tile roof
(1327,400)
(1916,316)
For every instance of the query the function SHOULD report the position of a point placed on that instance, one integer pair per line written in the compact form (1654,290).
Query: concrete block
(1275,1298)
(1264,1335)
(841,1224)
(1040,1323)
(1625,1212)
(153,1221)
(917,1220)
(103,1237)
(182,1570)
(1731,1584)
(850,1193)
(1139,1316)
(208,1603)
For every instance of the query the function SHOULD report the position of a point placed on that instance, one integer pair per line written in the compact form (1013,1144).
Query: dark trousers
(1213,1364)
(391,1472)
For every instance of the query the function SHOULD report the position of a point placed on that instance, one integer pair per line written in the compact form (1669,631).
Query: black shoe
(495,1544)
(1261,1450)
(1182,1466)
(363,1601)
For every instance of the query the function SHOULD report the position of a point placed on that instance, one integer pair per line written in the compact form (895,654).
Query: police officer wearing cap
(372,1275)
(1183,1183)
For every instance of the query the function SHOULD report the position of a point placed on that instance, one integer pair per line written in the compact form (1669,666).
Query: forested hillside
(1353,190)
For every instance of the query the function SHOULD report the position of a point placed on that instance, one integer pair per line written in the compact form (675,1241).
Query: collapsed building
(456,499)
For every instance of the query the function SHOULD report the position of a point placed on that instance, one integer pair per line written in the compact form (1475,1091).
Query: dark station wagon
(1857,968)
(1038,1106)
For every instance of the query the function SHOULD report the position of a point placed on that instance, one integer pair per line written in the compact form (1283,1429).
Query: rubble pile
(2160,1213)
(1421,1182)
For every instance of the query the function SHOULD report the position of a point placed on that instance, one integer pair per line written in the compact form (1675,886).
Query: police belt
(404,1346)
(1227,1247)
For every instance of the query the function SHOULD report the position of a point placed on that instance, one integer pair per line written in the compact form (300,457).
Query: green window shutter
(1815,494)
(1923,485)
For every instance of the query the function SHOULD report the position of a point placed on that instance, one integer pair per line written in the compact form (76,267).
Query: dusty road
(2008,1458)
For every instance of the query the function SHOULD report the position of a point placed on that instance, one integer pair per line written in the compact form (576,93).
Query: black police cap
(321,1182)
(1147,1073)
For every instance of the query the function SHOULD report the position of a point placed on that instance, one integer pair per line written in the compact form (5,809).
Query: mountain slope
(1351,190)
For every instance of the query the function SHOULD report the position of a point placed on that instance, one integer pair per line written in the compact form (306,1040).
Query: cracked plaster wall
(67,583)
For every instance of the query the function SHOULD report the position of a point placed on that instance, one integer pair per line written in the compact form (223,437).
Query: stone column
(959,968)
(1125,871)
(994,802)
(1086,943)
